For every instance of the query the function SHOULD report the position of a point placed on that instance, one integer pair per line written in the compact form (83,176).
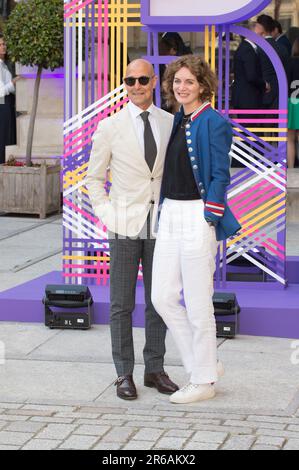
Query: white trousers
(184,260)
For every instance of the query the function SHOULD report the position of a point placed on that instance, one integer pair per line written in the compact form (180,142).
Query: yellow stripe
(264,206)
(112,46)
(91,258)
(266,139)
(207,44)
(264,222)
(125,38)
(118,39)
(261,129)
(213,56)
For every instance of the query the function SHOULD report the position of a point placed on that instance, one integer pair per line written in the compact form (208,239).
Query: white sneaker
(193,392)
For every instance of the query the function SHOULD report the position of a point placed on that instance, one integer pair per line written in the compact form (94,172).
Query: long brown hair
(200,69)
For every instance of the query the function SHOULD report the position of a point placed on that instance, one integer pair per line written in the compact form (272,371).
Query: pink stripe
(67,6)
(87,124)
(256,203)
(79,7)
(274,242)
(106,56)
(100,45)
(77,209)
(260,120)
(249,191)
(81,137)
(80,275)
(84,266)
(277,253)
(257,111)
(98,118)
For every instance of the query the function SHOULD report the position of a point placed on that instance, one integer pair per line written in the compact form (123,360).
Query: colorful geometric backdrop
(96,42)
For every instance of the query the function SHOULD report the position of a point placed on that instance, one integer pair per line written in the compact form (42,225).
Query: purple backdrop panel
(194,12)
(265,310)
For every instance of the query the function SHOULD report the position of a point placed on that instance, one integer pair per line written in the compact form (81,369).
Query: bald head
(138,64)
(141,94)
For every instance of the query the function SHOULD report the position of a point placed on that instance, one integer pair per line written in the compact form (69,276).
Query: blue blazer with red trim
(209,139)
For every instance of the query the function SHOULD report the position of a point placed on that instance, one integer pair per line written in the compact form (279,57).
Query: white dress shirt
(6,84)
(252,44)
(138,123)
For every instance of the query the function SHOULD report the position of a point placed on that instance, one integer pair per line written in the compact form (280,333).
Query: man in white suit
(132,143)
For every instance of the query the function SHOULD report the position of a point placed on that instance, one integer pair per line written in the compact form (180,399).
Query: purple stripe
(92,81)
(220,68)
(86,55)
(227,61)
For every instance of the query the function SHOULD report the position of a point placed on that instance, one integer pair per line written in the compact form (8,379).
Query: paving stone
(27,426)
(114,417)
(107,446)
(273,419)
(42,444)
(94,430)
(277,433)
(11,406)
(56,431)
(239,443)
(209,436)
(193,445)
(264,447)
(3,424)
(100,410)
(14,438)
(6,417)
(292,444)
(270,440)
(179,433)
(76,415)
(158,424)
(293,427)
(227,429)
(119,434)
(29,413)
(254,424)
(51,419)
(170,443)
(77,442)
(2,447)
(217,416)
(148,434)
(49,408)
(98,422)
(139,445)
(170,414)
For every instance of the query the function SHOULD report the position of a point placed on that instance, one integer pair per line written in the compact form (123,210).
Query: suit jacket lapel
(126,130)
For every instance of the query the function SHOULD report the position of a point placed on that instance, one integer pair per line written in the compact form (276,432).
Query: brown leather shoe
(160,381)
(125,387)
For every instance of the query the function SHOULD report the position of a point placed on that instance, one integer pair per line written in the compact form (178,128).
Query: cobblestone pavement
(45,427)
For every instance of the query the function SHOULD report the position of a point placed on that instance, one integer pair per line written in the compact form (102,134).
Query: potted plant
(34,37)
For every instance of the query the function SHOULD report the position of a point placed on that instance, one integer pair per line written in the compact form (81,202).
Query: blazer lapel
(127,132)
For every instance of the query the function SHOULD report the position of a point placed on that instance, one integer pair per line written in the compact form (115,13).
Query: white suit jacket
(134,186)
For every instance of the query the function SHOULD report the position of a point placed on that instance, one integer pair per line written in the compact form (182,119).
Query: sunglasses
(130,81)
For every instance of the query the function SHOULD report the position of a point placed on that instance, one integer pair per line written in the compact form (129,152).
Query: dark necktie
(150,147)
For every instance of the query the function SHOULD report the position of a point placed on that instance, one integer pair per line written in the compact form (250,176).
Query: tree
(34,36)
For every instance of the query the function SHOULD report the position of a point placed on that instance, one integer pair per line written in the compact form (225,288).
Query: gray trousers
(125,256)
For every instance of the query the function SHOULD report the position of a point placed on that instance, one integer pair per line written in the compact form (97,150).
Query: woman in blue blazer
(193,217)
